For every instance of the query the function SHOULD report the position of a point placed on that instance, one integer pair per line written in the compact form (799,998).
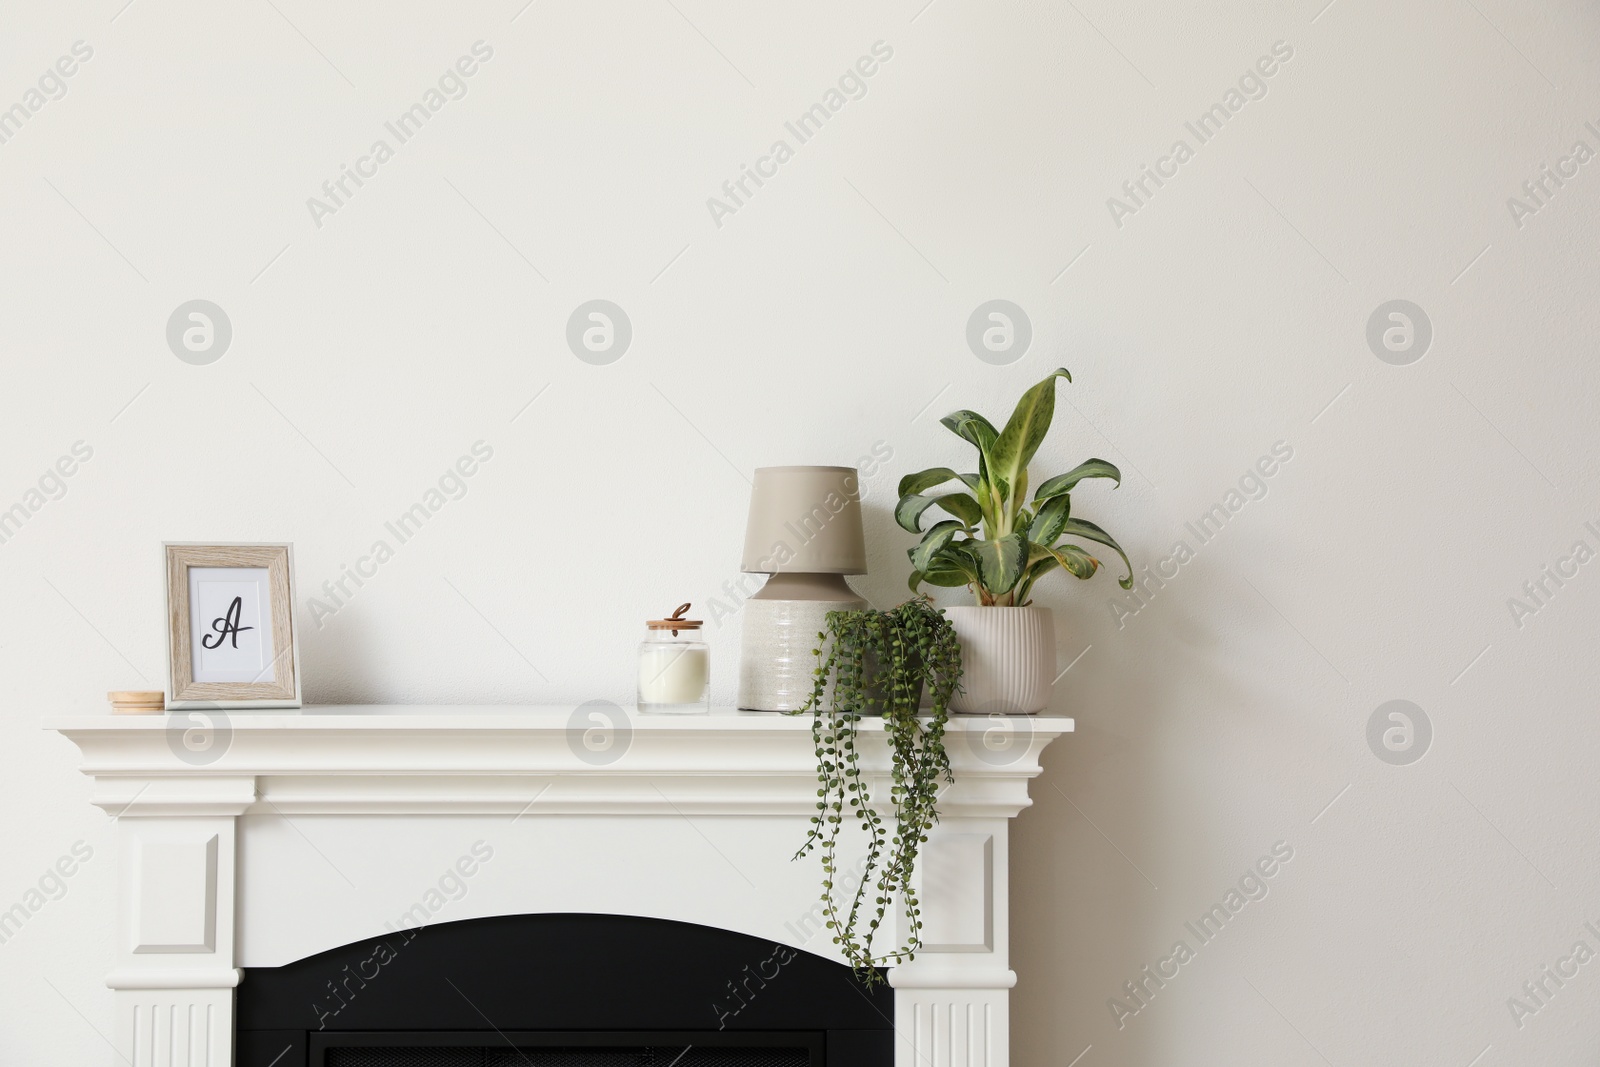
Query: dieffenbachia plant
(999,543)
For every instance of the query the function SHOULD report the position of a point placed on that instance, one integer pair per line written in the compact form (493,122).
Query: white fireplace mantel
(258,838)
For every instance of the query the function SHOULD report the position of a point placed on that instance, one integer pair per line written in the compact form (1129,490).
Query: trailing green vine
(879,663)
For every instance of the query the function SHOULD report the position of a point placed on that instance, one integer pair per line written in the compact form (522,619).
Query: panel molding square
(958,893)
(175,896)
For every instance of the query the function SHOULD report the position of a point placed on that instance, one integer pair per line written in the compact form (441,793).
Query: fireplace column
(174,972)
(952,1003)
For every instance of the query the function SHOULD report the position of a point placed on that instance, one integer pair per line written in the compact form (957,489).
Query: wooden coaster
(136,702)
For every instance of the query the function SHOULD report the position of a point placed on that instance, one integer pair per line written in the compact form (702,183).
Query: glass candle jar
(674,666)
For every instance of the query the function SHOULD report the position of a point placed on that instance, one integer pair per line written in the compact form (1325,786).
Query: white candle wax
(673,674)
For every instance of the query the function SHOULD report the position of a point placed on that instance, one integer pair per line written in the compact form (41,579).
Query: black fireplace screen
(566,1050)
(600,1056)
(562,991)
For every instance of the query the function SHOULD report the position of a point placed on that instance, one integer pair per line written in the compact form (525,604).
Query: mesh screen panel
(405,1057)
(672,1056)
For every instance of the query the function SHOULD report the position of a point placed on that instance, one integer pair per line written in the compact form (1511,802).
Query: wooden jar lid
(675,621)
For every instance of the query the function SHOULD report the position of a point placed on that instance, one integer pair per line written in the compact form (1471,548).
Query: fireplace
(299,892)
(563,990)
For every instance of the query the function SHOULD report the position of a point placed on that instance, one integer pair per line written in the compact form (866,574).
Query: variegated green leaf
(922,481)
(1000,561)
(947,578)
(908,512)
(1075,561)
(971,428)
(934,541)
(1090,532)
(1025,430)
(977,431)
(1064,483)
(1046,525)
(948,570)
(962,507)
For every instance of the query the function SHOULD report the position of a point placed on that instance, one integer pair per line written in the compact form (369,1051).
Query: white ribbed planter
(1008,659)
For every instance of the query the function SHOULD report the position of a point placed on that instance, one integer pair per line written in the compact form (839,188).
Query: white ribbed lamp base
(776,663)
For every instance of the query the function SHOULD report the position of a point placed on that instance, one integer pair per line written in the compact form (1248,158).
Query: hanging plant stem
(879,663)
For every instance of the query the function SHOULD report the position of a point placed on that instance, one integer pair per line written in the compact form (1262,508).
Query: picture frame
(231,637)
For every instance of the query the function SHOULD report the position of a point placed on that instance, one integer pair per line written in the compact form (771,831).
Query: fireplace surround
(663,844)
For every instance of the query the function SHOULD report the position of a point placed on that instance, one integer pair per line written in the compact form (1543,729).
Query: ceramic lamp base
(776,662)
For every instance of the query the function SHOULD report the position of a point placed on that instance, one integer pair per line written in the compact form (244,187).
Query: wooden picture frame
(231,637)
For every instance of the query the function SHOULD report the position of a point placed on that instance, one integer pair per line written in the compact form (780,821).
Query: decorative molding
(175,897)
(159,977)
(957,872)
(370,760)
(930,971)
(955,1032)
(167,792)
(177,1028)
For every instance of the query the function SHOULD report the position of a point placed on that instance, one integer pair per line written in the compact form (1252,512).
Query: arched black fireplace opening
(570,990)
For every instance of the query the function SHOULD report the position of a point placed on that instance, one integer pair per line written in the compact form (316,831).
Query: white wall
(827,316)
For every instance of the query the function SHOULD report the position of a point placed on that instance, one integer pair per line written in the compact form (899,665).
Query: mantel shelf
(519,718)
(577,759)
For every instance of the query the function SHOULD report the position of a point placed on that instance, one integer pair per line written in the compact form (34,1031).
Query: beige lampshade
(805,520)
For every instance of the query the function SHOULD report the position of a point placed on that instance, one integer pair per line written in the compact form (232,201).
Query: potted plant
(999,543)
(879,663)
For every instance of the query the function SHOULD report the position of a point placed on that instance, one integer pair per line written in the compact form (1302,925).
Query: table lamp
(805,532)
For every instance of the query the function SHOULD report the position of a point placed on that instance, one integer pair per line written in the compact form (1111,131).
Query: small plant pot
(875,682)
(1008,659)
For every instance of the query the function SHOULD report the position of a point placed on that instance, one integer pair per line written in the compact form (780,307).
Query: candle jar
(674,666)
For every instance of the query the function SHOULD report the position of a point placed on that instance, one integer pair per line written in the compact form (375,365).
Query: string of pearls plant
(879,663)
